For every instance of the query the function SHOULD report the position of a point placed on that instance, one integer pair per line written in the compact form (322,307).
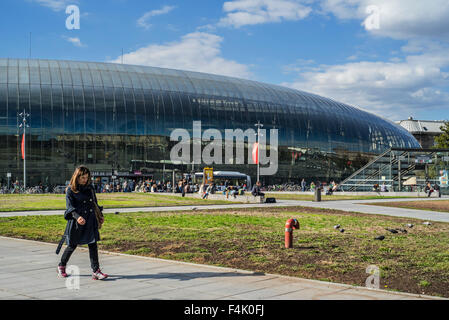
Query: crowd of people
(304,186)
(182,186)
(131,185)
(430,189)
(188,186)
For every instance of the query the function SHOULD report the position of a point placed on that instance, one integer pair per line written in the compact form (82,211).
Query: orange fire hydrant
(290,225)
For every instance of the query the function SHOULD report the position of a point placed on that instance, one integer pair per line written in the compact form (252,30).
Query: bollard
(317,195)
(290,225)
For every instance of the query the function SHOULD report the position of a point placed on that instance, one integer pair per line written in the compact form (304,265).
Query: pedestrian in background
(436,187)
(303,185)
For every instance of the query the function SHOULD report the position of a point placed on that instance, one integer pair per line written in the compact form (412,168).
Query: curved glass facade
(118,119)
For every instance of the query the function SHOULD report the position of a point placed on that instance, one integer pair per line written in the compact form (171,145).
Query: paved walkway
(346,205)
(28,271)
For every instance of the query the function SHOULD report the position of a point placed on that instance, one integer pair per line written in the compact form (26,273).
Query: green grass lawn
(33,202)
(311,197)
(416,262)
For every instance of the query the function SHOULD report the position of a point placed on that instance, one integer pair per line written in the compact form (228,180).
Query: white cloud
(251,12)
(392,89)
(399,19)
(412,80)
(75,41)
(143,21)
(198,51)
(55,5)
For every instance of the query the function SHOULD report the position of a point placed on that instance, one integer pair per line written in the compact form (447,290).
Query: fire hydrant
(290,225)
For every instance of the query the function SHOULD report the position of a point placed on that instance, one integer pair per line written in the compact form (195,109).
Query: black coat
(256,191)
(81,204)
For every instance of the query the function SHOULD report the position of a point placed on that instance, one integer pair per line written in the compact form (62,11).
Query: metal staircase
(392,167)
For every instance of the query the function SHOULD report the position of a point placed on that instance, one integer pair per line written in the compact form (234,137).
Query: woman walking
(82,223)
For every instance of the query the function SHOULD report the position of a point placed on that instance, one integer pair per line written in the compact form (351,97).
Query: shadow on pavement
(181,276)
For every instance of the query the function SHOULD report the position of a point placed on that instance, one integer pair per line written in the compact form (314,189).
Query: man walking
(303,185)
(256,190)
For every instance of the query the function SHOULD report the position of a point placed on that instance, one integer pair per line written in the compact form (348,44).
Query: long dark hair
(80,171)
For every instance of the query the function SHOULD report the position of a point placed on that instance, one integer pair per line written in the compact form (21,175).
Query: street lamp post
(24,125)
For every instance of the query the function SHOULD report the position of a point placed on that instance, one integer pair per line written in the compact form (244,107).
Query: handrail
(364,167)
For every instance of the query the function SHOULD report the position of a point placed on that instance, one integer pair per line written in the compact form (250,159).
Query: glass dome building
(117,119)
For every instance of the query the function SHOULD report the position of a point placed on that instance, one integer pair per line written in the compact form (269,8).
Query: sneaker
(98,275)
(61,272)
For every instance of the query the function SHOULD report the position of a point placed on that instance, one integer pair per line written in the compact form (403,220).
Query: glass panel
(67,148)
(135,81)
(86,78)
(3,74)
(150,118)
(164,84)
(116,80)
(145,82)
(47,107)
(79,110)
(121,116)
(58,115)
(66,77)
(126,81)
(100,111)
(13,107)
(110,111)
(178,112)
(13,62)
(107,80)
(13,75)
(130,111)
(89,110)
(76,77)
(24,76)
(218,115)
(187,85)
(24,98)
(140,112)
(187,109)
(159,113)
(204,108)
(168,108)
(96,78)
(4,155)
(199,89)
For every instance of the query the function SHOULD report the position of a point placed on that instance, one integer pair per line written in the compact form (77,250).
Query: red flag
(23,146)
(255,152)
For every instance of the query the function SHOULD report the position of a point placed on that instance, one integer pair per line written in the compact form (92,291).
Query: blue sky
(389,57)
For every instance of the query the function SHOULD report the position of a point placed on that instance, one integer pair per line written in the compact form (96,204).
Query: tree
(442,141)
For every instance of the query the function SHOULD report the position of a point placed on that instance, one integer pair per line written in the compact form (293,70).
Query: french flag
(23,146)
(255,153)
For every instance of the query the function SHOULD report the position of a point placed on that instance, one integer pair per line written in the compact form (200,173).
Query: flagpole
(258,151)
(258,125)
(24,158)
